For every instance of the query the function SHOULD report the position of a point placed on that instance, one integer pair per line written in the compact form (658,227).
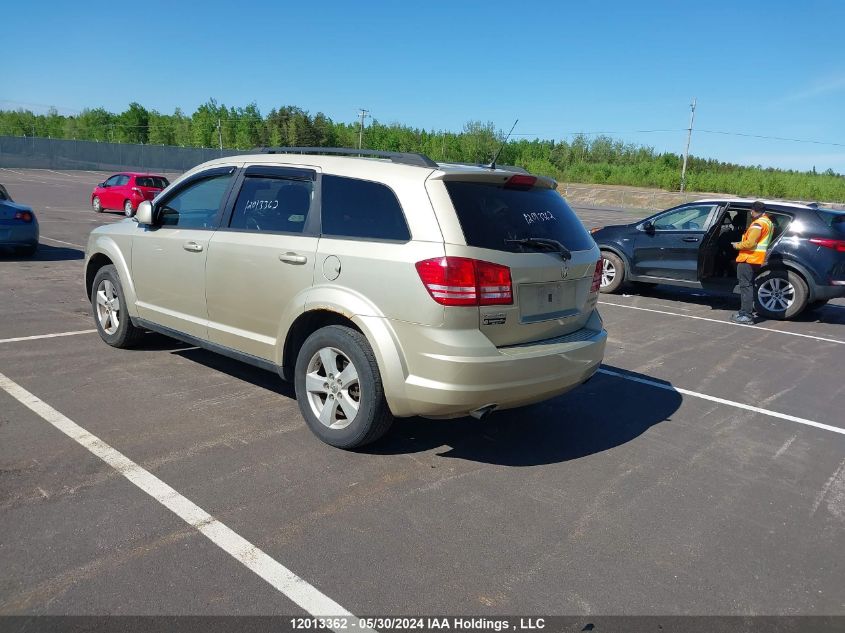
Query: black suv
(690,245)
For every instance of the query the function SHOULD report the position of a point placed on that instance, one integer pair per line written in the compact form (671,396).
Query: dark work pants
(746,273)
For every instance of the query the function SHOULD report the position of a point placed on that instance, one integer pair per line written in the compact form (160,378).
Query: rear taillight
(26,216)
(458,281)
(596,278)
(837,245)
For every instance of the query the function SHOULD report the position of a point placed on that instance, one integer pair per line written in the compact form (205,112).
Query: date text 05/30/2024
(418,624)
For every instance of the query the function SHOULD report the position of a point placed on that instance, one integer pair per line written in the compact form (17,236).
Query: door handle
(292,258)
(690,239)
(192,246)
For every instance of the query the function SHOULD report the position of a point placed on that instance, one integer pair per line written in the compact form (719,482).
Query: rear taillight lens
(459,281)
(26,216)
(596,278)
(837,245)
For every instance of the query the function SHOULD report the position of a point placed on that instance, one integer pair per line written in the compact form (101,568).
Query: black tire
(97,204)
(793,294)
(125,334)
(613,271)
(818,303)
(372,418)
(128,211)
(29,250)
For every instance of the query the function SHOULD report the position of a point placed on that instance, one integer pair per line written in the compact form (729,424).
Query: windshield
(490,214)
(151,181)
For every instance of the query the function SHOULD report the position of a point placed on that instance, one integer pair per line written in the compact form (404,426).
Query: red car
(126,191)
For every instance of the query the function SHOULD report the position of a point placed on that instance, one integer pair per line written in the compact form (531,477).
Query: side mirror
(144,214)
(648,227)
(102,185)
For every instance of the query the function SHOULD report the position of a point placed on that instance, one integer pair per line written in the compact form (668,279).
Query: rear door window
(490,214)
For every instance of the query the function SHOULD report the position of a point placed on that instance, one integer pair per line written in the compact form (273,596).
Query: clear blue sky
(773,68)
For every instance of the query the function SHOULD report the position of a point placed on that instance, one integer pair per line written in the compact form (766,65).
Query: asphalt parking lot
(702,472)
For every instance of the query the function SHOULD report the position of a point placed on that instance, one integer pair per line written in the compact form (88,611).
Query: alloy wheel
(108,307)
(608,272)
(333,388)
(776,294)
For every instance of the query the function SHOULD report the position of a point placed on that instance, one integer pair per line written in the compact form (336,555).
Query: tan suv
(382,284)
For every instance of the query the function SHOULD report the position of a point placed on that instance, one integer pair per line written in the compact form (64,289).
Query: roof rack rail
(403,158)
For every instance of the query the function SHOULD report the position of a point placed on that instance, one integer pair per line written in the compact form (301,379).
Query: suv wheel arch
(304,326)
(97,261)
(795,267)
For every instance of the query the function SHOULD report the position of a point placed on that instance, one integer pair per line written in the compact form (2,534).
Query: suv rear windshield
(833,218)
(490,214)
(151,181)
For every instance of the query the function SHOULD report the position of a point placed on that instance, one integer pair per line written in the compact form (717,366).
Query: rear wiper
(545,243)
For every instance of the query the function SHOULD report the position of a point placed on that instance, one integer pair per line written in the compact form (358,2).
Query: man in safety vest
(752,255)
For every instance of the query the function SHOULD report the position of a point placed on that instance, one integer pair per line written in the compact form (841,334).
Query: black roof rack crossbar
(404,158)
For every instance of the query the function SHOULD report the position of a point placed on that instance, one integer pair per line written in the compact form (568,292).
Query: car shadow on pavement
(235,368)
(714,300)
(604,413)
(45,253)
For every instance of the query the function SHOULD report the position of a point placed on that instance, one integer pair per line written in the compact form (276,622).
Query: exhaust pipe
(482,412)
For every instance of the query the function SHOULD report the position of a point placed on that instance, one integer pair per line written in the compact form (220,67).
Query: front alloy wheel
(108,307)
(334,392)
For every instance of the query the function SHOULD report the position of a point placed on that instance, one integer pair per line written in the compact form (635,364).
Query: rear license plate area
(546,301)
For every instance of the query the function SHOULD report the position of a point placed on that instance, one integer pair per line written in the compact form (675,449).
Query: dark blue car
(690,245)
(18,225)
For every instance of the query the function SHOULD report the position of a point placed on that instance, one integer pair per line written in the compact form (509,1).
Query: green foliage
(582,160)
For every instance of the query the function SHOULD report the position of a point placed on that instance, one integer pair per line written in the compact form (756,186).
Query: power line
(773,138)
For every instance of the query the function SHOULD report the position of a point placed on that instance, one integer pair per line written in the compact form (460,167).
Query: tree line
(598,160)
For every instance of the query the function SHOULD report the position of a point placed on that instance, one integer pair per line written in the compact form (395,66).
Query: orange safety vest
(757,255)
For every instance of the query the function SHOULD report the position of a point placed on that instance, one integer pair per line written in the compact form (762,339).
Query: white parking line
(39,336)
(277,575)
(53,239)
(730,403)
(689,316)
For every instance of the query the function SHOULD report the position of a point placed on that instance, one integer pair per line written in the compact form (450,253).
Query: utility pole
(686,151)
(220,135)
(364,113)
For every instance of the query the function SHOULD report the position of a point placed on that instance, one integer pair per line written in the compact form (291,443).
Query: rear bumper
(444,382)
(18,234)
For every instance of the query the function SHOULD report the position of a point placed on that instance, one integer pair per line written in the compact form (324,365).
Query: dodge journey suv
(382,284)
